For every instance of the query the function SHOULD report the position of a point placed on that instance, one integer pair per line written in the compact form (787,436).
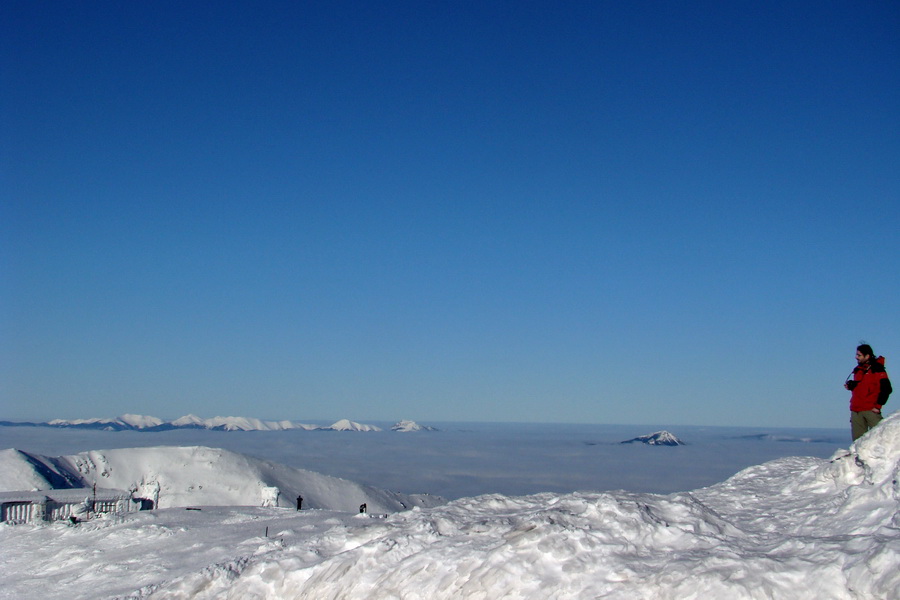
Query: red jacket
(872,386)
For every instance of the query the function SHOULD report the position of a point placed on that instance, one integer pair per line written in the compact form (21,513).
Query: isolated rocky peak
(659,438)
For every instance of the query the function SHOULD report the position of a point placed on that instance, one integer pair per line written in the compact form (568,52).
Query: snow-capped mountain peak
(187,421)
(407,426)
(659,438)
(348,425)
(140,421)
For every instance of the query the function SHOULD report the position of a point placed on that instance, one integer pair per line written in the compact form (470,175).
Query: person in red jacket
(870,389)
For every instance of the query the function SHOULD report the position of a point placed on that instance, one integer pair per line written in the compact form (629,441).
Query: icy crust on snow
(186,476)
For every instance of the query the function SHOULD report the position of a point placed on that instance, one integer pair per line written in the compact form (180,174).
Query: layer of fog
(467,459)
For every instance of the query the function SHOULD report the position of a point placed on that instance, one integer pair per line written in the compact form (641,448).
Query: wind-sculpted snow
(542,546)
(546,546)
(795,528)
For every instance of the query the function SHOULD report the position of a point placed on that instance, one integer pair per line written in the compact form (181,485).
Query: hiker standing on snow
(870,389)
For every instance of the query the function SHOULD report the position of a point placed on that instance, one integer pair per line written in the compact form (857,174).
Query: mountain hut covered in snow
(58,505)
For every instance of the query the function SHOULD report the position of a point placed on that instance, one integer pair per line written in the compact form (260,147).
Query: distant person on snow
(870,389)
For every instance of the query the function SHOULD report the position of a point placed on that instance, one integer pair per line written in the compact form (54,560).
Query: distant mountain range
(146,423)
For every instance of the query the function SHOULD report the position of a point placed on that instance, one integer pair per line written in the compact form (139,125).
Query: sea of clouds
(468,459)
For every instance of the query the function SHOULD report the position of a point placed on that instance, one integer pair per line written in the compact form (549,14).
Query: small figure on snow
(870,387)
(299,502)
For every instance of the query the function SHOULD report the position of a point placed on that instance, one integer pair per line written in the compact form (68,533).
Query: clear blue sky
(611,212)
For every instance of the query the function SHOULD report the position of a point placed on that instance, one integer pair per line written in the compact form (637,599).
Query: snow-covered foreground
(795,528)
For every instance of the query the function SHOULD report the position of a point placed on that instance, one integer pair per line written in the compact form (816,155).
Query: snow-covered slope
(173,476)
(791,529)
(24,472)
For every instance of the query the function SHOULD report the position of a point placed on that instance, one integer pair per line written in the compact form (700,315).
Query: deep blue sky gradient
(641,212)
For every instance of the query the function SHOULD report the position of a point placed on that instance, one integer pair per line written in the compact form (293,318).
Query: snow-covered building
(57,505)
